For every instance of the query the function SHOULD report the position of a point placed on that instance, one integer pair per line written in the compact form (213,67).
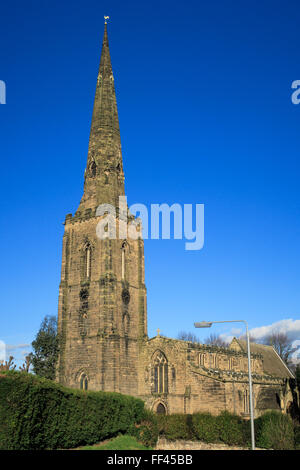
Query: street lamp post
(206,324)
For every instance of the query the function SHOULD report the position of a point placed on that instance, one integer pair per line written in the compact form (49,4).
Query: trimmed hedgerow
(204,426)
(36,413)
(232,429)
(176,426)
(226,427)
(273,430)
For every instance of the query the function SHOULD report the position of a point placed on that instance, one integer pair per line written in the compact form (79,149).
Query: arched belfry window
(87,261)
(84,382)
(160,373)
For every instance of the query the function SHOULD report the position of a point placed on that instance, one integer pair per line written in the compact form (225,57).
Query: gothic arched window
(160,373)
(84,382)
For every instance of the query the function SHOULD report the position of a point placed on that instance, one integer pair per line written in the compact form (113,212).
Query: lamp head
(203,324)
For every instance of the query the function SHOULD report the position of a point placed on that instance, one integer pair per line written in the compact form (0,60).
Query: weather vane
(106,18)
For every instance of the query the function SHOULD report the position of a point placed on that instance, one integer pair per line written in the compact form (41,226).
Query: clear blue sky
(204,99)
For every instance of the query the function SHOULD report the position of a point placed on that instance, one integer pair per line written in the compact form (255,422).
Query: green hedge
(146,431)
(36,413)
(233,430)
(274,430)
(297,437)
(205,428)
(226,427)
(175,426)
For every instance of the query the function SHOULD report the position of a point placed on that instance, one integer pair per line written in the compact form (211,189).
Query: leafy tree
(45,348)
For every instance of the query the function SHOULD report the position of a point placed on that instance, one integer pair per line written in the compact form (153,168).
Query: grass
(118,443)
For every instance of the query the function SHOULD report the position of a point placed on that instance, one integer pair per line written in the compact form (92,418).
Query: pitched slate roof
(272,362)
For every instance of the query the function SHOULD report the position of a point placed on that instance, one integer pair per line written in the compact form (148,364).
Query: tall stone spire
(102,311)
(104,177)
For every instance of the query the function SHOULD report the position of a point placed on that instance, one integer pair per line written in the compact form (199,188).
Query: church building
(102,313)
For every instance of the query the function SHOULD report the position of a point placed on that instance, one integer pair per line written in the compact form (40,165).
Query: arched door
(161,409)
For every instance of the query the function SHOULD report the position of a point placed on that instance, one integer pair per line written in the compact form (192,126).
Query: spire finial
(106,18)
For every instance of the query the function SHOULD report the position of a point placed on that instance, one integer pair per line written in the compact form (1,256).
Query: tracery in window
(160,373)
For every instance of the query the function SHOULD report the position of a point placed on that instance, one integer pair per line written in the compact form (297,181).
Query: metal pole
(250,390)
(205,324)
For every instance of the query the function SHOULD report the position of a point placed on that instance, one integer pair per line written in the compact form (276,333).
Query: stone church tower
(102,319)
(102,314)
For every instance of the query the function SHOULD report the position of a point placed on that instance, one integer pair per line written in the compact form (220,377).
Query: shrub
(274,430)
(146,431)
(36,413)
(161,423)
(204,427)
(297,437)
(231,429)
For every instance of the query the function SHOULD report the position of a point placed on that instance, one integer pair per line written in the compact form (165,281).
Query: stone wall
(192,386)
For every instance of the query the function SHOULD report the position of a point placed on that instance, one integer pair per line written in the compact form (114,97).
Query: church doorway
(161,409)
